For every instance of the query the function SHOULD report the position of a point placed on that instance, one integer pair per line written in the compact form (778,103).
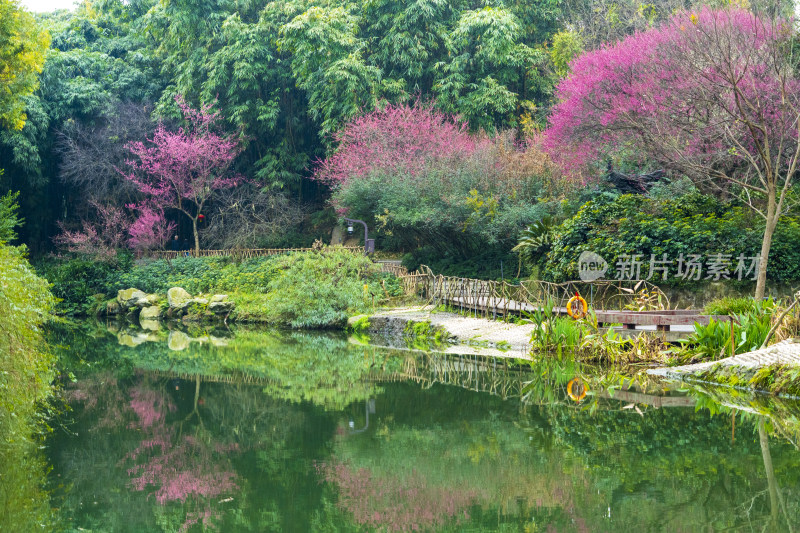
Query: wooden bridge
(636,305)
(470,372)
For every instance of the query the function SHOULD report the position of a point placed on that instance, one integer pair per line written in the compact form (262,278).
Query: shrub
(426,181)
(25,368)
(199,274)
(9,217)
(730,306)
(481,265)
(691,224)
(314,289)
(713,341)
(320,289)
(76,281)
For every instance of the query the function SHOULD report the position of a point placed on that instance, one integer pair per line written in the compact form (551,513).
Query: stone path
(783,353)
(471,331)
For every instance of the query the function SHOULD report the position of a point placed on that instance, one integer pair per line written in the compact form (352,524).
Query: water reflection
(277,431)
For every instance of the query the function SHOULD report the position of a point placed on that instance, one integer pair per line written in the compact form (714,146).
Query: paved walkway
(471,332)
(783,353)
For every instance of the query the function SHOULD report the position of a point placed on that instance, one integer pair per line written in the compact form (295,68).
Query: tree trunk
(772,483)
(196,238)
(769,230)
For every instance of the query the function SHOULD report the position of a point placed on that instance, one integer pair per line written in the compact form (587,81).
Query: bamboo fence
(238,253)
(398,270)
(471,372)
(492,298)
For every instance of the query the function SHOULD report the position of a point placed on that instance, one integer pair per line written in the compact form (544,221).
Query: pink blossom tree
(150,230)
(397,139)
(100,237)
(182,170)
(711,94)
(421,178)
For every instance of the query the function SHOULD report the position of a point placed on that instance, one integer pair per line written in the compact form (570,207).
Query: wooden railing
(239,253)
(398,270)
(492,298)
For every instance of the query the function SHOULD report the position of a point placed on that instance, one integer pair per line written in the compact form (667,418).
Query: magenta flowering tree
(100,237)
(175,467)
(151,229)
(711,94)
(397,139)
(399,503)
(424,179)
(182,170)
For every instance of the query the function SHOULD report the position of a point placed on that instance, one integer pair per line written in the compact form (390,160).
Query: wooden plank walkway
(610,300)
(663,320)
(782,353)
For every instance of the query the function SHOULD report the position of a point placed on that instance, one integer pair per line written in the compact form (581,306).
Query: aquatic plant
(721,338)
(422,335)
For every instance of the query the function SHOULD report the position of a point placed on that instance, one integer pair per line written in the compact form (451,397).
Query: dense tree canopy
(711,94)
(292,80)
(22,48)
(286,75)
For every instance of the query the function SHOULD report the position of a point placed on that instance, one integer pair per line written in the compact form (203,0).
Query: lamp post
(369,244)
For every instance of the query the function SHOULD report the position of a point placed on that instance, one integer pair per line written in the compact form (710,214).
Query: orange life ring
(576,390)
(577,307)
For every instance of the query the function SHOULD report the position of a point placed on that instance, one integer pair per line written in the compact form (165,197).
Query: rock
(177,340)
(112,307)
(218,298)
(219,308)
(127,298)
(150,324)
(178,298)
(199,301)
(147,301)
(127,339)
(152,312)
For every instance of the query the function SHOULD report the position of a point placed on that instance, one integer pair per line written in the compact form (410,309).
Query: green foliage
(319,289)
(315,289)
(9,219)
(26,373)
(457,213)
(612,225)
(425,336)
(22,49)
(390,285)
(485,264)
(360,325)
(199,274)
(76,281)
(566,45)
(731,306)
(774,379)
(554,333)
(535,240)
(750,329)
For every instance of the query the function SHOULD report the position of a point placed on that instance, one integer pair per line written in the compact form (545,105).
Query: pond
(260,430)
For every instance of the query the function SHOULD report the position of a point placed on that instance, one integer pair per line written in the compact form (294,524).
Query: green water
(259,430)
